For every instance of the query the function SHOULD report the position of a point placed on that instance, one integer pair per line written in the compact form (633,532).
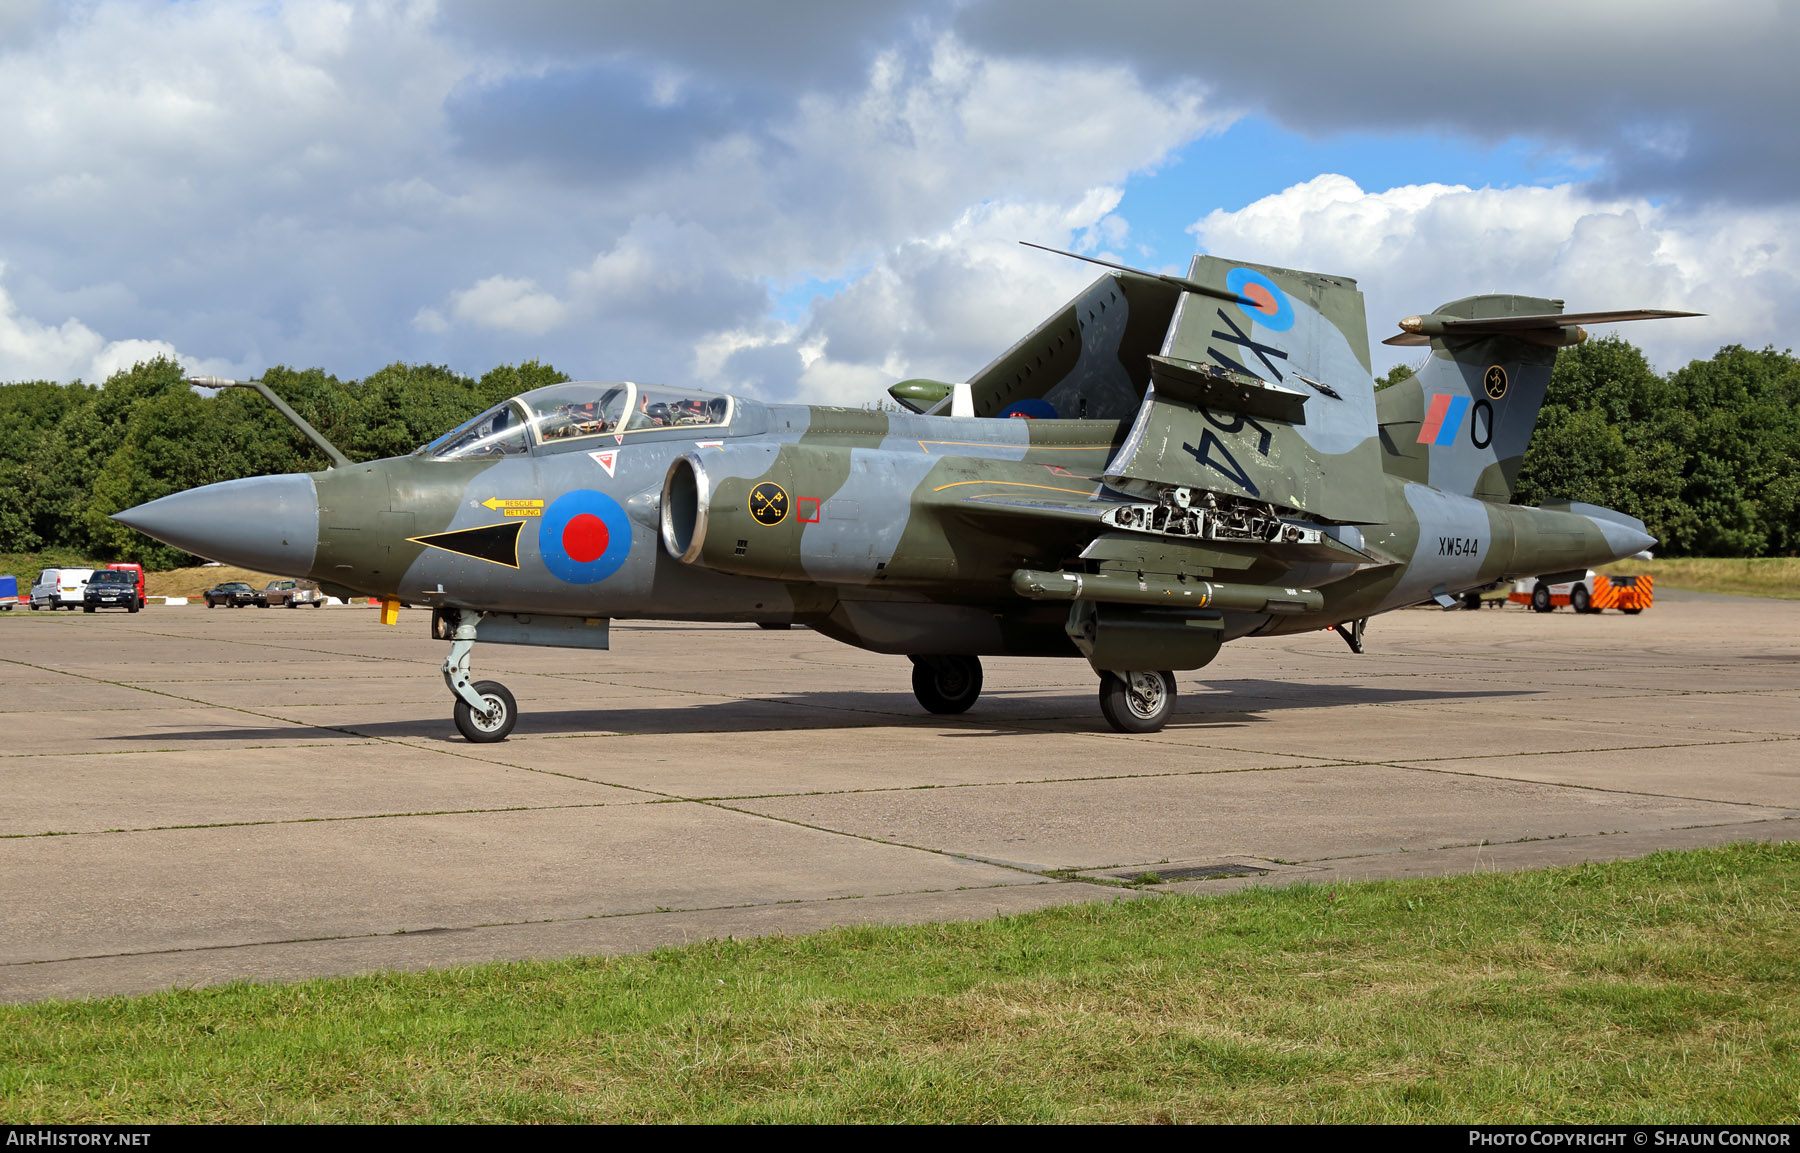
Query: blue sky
(812,200)
(1257,157)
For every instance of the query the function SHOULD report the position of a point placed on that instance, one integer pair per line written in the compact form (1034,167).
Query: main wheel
(946,685)
(87,608)
(1471,600)
(1137,702)
(1540,600)
(1579,599)
(496,723)
(132,607)
(774,626)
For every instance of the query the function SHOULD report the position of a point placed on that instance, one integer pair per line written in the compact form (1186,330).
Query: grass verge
(1662,989)
(1755,577)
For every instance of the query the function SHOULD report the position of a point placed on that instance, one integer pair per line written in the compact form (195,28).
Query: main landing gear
(485,711)
(1131,701)
(1137,702)
(946,685)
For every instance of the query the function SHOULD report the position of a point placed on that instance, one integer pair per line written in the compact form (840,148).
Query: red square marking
(809,510)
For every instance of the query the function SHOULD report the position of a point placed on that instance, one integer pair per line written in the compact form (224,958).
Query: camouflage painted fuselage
(1210,460)
(902,533)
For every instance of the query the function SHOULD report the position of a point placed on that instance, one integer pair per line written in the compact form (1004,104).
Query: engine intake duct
(1120,588)
(763,510)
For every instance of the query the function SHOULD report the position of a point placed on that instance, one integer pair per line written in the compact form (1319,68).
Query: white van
(60,588)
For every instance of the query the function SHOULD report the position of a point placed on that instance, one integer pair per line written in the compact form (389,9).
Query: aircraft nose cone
(1625,540)
(267,523)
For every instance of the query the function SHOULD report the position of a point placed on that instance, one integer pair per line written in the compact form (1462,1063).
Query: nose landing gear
(485,711)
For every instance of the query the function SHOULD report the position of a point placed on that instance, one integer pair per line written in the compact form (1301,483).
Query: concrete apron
(198,797)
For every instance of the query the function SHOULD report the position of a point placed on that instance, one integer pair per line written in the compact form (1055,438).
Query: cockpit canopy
(563,413)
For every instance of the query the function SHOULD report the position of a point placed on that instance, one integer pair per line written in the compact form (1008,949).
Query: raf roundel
(1269,305)
(584,537)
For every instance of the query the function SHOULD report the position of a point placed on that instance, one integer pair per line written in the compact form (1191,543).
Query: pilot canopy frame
(561,415)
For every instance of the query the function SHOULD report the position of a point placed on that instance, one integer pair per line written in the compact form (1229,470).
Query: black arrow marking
(494,543)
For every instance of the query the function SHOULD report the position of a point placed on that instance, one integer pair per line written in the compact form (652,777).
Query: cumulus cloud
(1672,97)
(798,43)
(939,306)
(918,183)
(232,167)
(506,303)
(629,190)
(31,350)
(1415,247)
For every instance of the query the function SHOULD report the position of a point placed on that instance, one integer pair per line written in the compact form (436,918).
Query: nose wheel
(484,711)
(491,723)
(1137,702)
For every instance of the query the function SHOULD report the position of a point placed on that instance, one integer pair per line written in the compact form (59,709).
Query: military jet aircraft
(1205,458)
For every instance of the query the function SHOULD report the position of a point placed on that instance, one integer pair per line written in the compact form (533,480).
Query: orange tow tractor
(1590,594)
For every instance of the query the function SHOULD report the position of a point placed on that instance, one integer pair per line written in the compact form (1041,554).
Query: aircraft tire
(482,731)
(132,607)
(774,626)
(1631,612)
(87,608)
(1141,702)
(1540,600)
(1579,600)
(946,685)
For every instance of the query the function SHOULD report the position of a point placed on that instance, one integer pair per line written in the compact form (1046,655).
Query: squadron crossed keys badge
(768,504)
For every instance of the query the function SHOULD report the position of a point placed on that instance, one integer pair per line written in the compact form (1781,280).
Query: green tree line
(1705,455)
(72,455)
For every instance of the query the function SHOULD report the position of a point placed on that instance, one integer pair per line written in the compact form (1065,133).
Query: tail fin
(1463,422)
(1262,392)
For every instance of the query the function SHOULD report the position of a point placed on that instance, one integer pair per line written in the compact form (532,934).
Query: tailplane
(1462,423)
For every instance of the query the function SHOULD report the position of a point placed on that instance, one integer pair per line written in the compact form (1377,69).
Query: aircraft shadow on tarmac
(1218,704)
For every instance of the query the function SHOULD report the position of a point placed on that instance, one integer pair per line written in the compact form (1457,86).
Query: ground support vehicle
(9,592)
(231,594)
(1595,591)
(292,593)
(111,589)
(137,577)
(60,588)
